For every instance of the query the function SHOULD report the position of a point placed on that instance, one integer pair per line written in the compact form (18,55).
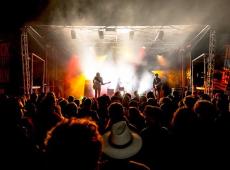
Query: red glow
(73,78)
(72,68)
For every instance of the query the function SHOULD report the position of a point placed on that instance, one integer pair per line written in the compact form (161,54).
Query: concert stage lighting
(160,35)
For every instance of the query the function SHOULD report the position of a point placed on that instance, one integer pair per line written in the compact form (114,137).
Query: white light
(145,83)
(123,30)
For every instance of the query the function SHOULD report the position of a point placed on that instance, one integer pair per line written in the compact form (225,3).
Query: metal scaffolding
(28,62)
(25,62)
(210,63)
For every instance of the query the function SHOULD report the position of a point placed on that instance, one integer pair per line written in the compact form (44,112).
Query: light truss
(174,35)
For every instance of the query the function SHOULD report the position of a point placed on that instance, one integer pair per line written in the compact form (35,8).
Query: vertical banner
(227,57)
(4,63)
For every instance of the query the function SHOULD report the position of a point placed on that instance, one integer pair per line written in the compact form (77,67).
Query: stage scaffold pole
(211,62)
(25,61)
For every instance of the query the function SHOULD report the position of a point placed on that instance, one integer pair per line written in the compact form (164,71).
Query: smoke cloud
(136,12)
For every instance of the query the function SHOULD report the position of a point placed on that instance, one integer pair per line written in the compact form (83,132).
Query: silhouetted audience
(170,133)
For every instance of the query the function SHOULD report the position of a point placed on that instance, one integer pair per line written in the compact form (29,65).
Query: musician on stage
(157,86)
(97,82)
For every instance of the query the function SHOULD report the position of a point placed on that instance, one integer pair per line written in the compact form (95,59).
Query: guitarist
(157,86)
(97,82)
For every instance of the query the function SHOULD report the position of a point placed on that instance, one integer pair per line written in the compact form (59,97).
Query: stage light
(131,35)
(112,29)
(73,34)
(160,35)
(101,34)
(161,60)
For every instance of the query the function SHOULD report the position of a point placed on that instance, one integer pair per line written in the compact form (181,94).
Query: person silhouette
(157,86)
(97,82)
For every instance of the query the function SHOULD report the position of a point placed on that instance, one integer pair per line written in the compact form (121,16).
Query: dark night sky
(115,12)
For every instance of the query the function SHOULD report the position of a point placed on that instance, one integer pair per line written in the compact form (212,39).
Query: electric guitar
(97,84)
(157,86)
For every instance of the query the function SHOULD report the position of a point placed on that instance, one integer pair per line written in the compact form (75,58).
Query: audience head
(152,116)
(189,101)
(116,98)
(128,95)
(133,103)
(120,142)
(133,114)
(183,120)
(116,112)
(49,100)
(77,102)
(71,110)
(87,103)
(70,99)
(205,110)
(150,95)
(152,102)
(74,142)
(165,100)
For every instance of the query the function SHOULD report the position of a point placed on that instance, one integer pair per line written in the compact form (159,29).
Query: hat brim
(122,153)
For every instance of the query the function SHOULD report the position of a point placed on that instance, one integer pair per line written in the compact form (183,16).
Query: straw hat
(121,142)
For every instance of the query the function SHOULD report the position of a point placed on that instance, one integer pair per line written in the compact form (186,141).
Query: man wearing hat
(120,144)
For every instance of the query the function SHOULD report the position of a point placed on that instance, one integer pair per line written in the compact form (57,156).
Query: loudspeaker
(73,34)
(131,35)
(88,92)
(101,34)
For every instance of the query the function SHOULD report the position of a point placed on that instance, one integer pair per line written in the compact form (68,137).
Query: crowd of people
(119,132)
